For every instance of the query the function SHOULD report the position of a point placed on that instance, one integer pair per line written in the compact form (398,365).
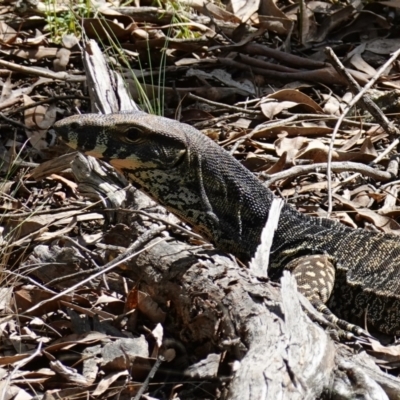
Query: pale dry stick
(40,212)
(79,246)
(342,117)
(46,101)
(211,122)
(168,223)
(327,117)
(19,365)
(14,123)
(375,161)
(259,129)
(384,186)
(31,280)
(76,286)
(224,106)
(260,262)
(336,166)
(63,76)
(365,101)
(146,237)
(150,376)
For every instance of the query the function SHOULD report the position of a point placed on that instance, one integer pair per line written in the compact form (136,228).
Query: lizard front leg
(315,278)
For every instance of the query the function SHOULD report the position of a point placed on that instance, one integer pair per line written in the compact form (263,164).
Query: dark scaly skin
(204,185)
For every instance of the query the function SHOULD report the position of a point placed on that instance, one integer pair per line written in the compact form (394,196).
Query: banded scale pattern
(354,272)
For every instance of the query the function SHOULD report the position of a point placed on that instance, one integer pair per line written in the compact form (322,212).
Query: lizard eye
(132,135)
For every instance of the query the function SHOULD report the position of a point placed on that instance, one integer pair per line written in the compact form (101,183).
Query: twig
(18,365)
(41,212)
(211,122)
(63,76)
(29,279)
(365,100)
(48,100)
(342,117)
(326,75)
(223,106)
(146,237)
(117,261)
(375,161)
(324,117)
(259,128)
(14,123)
(151,374)
(336,167)
(164,221)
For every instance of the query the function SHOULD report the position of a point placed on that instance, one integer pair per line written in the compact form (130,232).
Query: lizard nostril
(75,125)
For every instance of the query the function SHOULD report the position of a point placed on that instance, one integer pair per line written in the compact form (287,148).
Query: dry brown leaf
(243,9)
(219,13)
(12,360)
(107,381)
(332,105)
(150,308)
(318,152)
(332,20)
(358,62)
(281,26)
(279,165)
(271,108)
(106,299)
(131,302)
(25,298)
(31,117)
(92,312)
(307,23)
(353,140)
(345,219)
(385,224)
(362,199)
(383,46)
(291,131)
(70,341)
(7,34)
(269,8)
(297,97)
(69,374)
(274,19)
(73,186)
(391,3)
(37,53)
(102,29)
(306,188)
(391,195)
(368,148)
(6,90)
(8,391)
(118,355)
(290,146)
(390,354)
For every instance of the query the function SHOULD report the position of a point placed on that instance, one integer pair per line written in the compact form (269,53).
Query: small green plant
(150,96)
(179,22)
(62,21)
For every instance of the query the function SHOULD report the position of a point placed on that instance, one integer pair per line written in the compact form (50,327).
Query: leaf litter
(235,71)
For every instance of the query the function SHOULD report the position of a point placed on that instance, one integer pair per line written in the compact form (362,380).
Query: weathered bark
(218,306)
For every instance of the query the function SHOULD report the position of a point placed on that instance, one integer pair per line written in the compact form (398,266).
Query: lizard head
(128,141)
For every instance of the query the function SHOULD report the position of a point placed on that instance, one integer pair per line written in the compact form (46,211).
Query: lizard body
(351,272)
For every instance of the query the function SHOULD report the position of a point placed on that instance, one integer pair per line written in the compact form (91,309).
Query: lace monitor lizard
(350,272)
